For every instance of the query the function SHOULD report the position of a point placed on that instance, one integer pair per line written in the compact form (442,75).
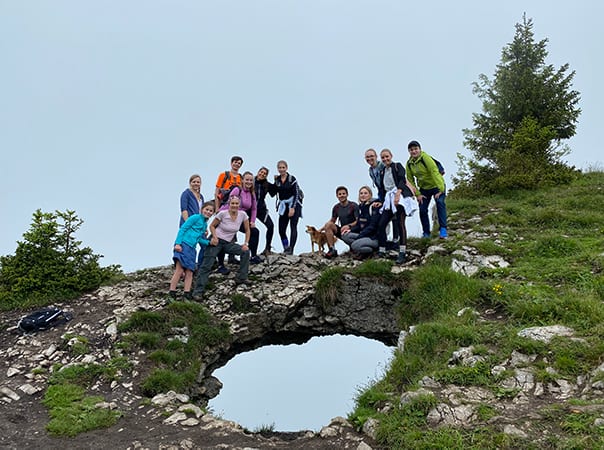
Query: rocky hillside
(525,377)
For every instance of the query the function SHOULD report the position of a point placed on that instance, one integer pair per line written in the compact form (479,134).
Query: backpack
(290,180)
(43,319)
(224,193)
(441,168)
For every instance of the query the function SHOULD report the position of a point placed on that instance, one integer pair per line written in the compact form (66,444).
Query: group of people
(240,201)
(401,190)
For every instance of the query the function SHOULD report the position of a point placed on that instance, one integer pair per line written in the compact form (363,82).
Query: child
(189,235)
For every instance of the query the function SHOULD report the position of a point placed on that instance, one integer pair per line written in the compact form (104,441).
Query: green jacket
(423,173)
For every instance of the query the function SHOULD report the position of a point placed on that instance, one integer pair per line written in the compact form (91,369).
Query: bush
(49,264)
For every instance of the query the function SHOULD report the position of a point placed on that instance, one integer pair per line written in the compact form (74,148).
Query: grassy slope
(554,241)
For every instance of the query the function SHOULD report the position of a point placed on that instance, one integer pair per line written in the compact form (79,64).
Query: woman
(396,199)
(363,236)
(247,195)
(223,229)
(191,199)
(191,233)
(289,206)
(262,187)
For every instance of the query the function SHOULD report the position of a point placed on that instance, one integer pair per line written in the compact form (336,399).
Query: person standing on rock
(223,229)
(423,174)
(191,233)
(289,206)
(396,200)
(247,195)
(190,203)
(262,187)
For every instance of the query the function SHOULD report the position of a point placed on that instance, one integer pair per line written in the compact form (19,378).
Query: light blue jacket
(193,231)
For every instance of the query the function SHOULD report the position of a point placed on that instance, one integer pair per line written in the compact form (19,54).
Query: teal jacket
(423,173)
(192,231)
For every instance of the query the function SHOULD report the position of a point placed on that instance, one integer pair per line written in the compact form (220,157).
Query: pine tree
(528,109)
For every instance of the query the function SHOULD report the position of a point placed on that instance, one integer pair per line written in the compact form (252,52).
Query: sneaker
(288,251)
(255,260)
(426,236)
(233,260)
(381,254)
(402,258)
(332,253)
(223,270)
(197,296)
(443,233)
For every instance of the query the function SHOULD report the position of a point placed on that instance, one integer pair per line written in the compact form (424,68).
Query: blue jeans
(441,209)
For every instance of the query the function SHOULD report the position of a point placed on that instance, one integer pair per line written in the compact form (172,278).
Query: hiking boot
(233,260)
(381,254)
(188,296)
(223,270)
(332,253)
(172,295)
(239,282)
(402,258)
(426,236)
(288,251)
(196,296)
(443,233)
(255,260)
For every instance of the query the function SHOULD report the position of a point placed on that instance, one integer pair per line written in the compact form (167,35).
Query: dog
(316,237)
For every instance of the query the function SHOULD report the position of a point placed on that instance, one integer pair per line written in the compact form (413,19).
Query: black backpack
(224,194)
(43,319)
(441,168)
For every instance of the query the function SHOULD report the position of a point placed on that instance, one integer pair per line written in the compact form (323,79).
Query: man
(375,166)
(225,182)
(423,174)
(344,215)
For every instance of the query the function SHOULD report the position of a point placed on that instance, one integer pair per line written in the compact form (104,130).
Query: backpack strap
(227,175)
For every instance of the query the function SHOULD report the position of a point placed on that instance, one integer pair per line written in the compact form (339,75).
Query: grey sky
(108,107)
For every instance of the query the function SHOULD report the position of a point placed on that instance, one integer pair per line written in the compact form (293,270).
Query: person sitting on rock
(223,229)
(344,215)
(363,236)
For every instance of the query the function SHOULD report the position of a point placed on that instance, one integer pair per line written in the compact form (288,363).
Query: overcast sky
(107,107)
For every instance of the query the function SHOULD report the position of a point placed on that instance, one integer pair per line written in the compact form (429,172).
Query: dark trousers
(386,217)
(203,274)
(284,221)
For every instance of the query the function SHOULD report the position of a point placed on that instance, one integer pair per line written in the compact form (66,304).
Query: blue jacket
(188,202)
(192,231)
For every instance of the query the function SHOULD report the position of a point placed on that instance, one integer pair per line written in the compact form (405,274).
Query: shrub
(49,264)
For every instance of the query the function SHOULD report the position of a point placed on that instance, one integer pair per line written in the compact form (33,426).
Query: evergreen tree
(528,109)
(49,264)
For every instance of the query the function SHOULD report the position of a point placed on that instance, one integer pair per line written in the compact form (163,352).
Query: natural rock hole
(298,387)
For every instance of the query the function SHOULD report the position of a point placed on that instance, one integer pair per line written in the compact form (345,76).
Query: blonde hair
(368,189)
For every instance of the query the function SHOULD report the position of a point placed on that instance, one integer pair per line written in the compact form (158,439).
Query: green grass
(328,286)
(554,241)
(177,363)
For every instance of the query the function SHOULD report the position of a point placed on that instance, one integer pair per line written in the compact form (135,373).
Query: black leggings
(385,218)
(284,220)
(263,217)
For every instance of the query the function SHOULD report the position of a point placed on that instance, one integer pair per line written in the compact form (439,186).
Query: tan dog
(316,237)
